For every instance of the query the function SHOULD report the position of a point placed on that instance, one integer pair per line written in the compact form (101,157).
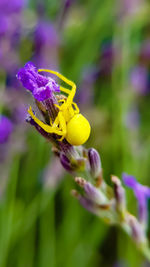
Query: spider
(69,123)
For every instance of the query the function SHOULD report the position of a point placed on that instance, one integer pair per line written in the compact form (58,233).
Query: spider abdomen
(78,130)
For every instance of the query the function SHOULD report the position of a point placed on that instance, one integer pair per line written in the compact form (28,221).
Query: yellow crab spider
(69,123)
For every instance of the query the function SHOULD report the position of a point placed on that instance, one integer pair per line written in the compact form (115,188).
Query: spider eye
(78,130)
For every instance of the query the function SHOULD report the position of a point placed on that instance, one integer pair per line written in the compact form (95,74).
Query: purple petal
(6,128)
(141,192)
(129,180)
(40,86)
(42,93)
(65,162)
(11,7)
(45,34)
(139,77)
(87,204)
(95,162)
(93,193)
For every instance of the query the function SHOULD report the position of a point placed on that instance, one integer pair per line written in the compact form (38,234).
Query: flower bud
(65,162)
(137,231)
(88,204)
(91,192)
(95,162)
(119,194)
(94,194)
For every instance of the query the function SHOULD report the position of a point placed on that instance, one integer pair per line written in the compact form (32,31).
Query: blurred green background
(104,47)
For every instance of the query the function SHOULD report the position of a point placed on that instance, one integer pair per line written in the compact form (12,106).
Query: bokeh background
(104,47)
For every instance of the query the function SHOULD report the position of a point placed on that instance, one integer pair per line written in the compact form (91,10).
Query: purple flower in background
(133,119)
(41,87)
(10,32)
(141,192)
(106,59)
(46,42)
(11,6)
(45,34)
(6,128)
(19,114)
(89,76)
(129,7)
(144,54)
(9,10)
(139,79)
(4,24)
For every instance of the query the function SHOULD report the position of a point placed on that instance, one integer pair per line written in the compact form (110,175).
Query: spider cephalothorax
(69,123)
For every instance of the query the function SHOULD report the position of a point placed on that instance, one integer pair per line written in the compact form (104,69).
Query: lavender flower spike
(6,128)
(141,192)
(41,87)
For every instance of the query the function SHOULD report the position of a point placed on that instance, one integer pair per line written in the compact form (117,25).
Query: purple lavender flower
(10,31)
(106,59)
(8,19)
(144,54)
(46,42)
(141,192)
(45,34)
(13,6)
(6,128)
(41,87)
(86,94)
(133,119)
(139,79)
(4,24)
(128,7)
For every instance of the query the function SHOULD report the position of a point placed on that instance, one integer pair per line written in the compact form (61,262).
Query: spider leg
(57,106)
(62,123)
(50,121)
(76,107)
(55,123)
(65,90)
(73,103)
(45,127)
(72,84)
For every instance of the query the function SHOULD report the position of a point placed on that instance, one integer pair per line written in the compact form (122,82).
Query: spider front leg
(65,90)
(51,129)
(62,123)
(72,84)
(73,103)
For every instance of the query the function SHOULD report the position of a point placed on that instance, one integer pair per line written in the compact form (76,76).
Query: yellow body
(78,130)
(69,123)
